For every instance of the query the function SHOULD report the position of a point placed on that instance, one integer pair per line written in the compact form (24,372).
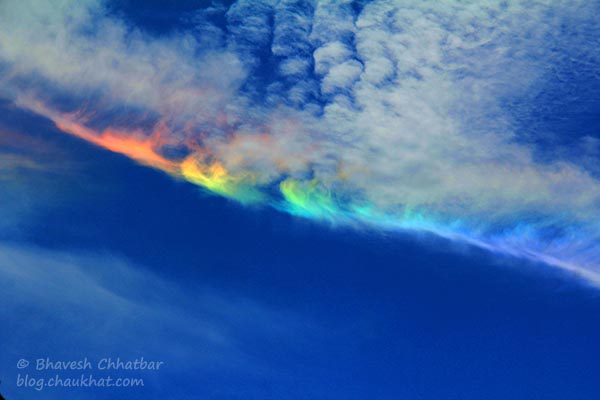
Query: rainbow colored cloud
(389,117)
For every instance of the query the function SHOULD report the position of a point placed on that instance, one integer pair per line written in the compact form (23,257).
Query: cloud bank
(391,114)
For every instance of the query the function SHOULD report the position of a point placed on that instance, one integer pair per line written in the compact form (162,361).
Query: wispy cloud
(100,304)
(31,171)
(390,115)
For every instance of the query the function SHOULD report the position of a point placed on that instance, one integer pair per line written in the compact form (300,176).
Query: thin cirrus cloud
(389,115)
(33,173)
(87,297)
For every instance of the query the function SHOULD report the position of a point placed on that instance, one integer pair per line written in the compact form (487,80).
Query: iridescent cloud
(389,116)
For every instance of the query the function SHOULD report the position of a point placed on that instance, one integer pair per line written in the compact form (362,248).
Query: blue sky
(103,256)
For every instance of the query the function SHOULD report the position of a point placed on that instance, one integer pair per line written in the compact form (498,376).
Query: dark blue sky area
(162,17)
(372,316)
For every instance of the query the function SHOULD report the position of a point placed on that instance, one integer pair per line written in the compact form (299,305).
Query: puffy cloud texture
(393,115)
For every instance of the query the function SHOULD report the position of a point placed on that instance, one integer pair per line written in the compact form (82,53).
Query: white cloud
(404,111)
(329,55)
(341,76)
